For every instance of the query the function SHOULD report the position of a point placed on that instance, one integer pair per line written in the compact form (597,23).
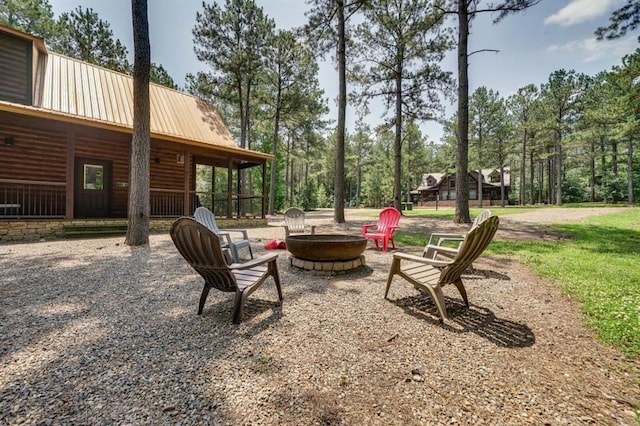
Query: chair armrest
(432,252)
(423,260)
(365,227)
(270,257)
(447,239)
(449,250)
(225,239)
(444,237)
(243,231)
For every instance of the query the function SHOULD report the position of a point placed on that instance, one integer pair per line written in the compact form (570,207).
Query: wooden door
(92,188)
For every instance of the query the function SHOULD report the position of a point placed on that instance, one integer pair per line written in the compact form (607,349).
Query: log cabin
(65,138)
(439,188)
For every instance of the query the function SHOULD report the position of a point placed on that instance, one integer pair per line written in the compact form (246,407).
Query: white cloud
(579,11)
(591,49)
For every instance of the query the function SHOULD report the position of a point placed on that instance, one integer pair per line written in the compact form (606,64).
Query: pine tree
(139,208)
(399,48)
(83,35)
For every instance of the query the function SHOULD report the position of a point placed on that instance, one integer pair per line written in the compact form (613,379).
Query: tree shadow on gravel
(483,322)
(115,325)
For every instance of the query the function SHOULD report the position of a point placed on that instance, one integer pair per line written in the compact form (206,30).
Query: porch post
(186,186)
(229,188)
(69,199)
(264,186)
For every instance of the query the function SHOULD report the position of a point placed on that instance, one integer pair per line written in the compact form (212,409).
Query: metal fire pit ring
(324,252)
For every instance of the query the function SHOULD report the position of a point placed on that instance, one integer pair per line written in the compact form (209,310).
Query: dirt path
(517,226)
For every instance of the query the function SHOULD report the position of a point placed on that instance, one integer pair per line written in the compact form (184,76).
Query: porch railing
(37,199)
(166,202)
(34,199)
(218,203)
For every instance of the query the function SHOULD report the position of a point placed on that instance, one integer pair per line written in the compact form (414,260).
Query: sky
(532,44)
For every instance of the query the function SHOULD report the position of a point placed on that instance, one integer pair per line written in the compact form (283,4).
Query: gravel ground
(95,332)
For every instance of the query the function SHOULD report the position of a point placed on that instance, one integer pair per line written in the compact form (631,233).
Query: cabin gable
(16,64)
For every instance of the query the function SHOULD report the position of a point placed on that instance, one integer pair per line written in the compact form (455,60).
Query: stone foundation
(51,229)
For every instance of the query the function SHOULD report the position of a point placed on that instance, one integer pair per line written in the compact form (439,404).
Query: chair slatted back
(207,218)
(294,219)
(388,218)
(480,218)
(201,248)
(475,243)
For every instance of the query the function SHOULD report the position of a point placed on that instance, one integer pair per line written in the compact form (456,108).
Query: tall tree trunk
(480,185)
(338,212)
(523,164)
(549,177)
(559,172)
(358,179)
(274,151)
(603,160)
(139,193)
(592,173)
(614,158)
(287,173)
(245,181)
(480,176)
(462,155)
(397,152)
(630,171)
(540,181)
(531,177)
(501,185)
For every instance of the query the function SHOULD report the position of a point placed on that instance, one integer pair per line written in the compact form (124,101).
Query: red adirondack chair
(387,224)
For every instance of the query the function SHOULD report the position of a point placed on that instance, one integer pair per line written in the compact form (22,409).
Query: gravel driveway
(95,332)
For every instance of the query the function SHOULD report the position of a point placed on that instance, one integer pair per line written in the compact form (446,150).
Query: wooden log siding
(39,153)
(166,172)
(167,180)
(36,155)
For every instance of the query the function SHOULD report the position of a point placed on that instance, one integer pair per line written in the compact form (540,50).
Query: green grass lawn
(599,267)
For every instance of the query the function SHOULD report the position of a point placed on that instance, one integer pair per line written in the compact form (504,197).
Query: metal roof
(75,91)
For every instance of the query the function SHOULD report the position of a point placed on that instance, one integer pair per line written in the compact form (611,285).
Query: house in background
(441,187)
(65,139)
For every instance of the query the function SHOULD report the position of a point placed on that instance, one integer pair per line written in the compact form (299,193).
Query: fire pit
(326,252)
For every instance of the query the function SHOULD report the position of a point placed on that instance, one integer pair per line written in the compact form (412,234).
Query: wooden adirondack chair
(384,228)
(435,248)
(421,273)
(201,248)
(294,222)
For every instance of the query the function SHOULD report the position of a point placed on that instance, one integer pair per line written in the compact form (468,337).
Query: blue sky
(552,35)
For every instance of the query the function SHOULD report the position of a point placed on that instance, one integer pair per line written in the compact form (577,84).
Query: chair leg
(385,244)
(234,253)
(238,303)
(462,291)
(438,299)
(250,251)
(395,265)
(276,278)
(203,298)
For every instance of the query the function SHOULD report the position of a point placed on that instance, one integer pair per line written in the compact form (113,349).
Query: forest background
(572,138)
